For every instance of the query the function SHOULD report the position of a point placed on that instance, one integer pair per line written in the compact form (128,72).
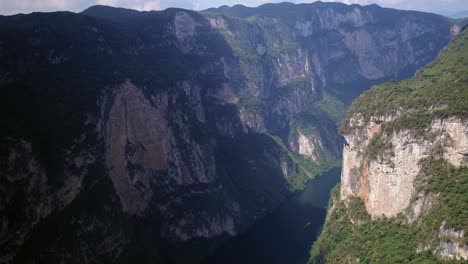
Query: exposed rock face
(387,184)
(306,147)
(142,156)
(212,226)
(404,170)
(185,31)
(290,63)
(172,121)
(350,31)
(390,184)
(27,194)
(316,144)
(20,166)
(137,146)
(454,133)
(448,249)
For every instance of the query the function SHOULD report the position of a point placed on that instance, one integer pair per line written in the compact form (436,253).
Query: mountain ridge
(194,124)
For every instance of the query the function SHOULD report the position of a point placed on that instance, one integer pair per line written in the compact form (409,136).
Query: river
(286,235)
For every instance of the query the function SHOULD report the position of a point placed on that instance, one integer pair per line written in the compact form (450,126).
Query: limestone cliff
(140,134)
(405,164)
(387,182)
(295,58)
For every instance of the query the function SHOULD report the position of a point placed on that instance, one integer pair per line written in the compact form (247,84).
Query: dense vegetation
(307,170)
(437,91)
(320,122)
(350,235)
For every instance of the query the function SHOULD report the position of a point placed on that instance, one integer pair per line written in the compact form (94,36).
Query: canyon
(150,136)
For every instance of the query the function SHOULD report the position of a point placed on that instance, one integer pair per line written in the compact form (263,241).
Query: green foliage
(451,183)
(308,169)
(350,234)
(238,43)
(319,115)
(309,122)
(437,91)
(376,146)
(286,48)
(417,123)
(299,83)
(357,211)
(236,34)
(318,124)
(253,104)
(333,107)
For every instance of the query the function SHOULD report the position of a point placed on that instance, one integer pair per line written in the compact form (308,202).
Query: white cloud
(142,5)
(109,2)
(148,5)
(27,6)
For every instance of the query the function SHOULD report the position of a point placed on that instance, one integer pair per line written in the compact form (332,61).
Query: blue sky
(8,7)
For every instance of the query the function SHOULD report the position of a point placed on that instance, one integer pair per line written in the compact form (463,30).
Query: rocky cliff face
(404,167)
(354,31)
(325,50)
(133,131)
(388,183)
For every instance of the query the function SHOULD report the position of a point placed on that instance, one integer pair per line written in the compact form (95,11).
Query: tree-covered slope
(438,90)
(427,118)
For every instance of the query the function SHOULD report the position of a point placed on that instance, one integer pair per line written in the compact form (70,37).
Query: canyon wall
(136,132)
(405,163)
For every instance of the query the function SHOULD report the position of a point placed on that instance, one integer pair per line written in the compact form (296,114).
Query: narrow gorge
(157,136)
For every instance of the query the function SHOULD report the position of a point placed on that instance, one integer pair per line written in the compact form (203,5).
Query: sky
(8,7)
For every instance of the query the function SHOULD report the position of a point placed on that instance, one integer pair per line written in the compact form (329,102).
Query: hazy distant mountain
(460,14)
(453,14)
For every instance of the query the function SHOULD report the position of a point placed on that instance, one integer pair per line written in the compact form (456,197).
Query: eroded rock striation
(388,183)
(127,134)
(405,163)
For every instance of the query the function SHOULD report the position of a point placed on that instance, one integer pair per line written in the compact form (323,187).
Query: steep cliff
(151,135)
(306,52)
(405,164)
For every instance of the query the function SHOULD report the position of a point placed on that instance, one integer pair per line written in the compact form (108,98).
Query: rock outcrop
(405,158)
(137,146)
(131,132)
(387,183)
